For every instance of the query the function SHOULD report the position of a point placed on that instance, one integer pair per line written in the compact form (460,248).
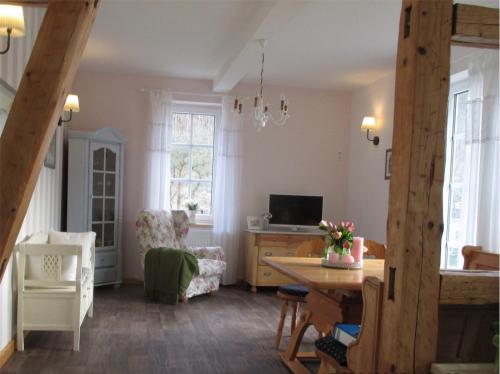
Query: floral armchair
(162,228)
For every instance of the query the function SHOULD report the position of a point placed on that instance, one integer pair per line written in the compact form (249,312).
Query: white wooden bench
(55,283)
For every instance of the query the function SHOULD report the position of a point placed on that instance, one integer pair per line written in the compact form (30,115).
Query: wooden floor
(230,332)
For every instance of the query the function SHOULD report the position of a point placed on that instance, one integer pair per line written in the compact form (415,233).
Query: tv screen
(295,210)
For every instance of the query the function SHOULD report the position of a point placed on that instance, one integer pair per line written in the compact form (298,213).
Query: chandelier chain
(262,77)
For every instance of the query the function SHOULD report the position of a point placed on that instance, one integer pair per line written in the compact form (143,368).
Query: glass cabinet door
(103,205)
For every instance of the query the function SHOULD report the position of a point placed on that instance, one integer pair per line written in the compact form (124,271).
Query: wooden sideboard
(260,244)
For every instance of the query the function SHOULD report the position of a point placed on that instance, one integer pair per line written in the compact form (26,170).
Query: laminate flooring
(232,331)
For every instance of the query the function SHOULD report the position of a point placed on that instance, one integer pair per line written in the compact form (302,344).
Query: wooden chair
(293,294)
(374,249)
(477,259)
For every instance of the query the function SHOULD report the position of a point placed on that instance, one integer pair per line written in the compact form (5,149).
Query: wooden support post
(475,26)
(414,227)
(36,108)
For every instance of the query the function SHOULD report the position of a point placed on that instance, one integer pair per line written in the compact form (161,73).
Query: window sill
(201,225)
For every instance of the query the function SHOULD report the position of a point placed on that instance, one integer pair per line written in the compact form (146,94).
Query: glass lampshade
(72,103)
(368,123)
(11,17)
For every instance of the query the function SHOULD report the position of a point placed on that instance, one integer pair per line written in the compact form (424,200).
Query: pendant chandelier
(262,115)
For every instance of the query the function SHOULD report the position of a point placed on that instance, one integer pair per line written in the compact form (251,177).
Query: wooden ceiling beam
(36,108)
(475,26)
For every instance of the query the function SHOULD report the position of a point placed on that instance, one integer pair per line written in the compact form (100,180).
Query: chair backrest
(311,248)
(161,228)
(477,259)
(374,249)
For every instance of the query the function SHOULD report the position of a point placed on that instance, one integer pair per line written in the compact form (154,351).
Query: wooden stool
(294,295)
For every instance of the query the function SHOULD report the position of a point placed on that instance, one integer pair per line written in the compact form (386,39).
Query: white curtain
(227,189)
(157,182)
(482,155)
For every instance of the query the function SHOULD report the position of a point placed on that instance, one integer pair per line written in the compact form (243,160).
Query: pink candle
(357,248)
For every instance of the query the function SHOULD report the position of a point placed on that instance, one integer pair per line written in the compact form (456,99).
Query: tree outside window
(192,159)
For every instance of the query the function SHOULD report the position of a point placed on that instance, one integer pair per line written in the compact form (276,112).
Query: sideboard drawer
(105,259)
(296,240)
(267,276)
(275,252)
(272,240)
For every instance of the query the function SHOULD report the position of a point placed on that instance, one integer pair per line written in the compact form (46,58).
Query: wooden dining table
(334,297)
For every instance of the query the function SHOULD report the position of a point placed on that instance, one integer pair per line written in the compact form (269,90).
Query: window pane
(98,184)
(109,210)
(110,160)
(179,162)
(97,209)
(99,159)
(109,234)
(201,192)
(97,228)
(202,163)
(109,184)
(181,128)
(179,193)
(203,129)
(461,112)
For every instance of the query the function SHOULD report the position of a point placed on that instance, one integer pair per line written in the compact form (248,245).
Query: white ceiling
(336,44)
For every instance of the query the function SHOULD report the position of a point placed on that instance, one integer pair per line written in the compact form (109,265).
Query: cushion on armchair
(209,268)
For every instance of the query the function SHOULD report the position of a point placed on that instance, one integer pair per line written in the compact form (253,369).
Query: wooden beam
(36,108)
(414,227)
(469,287)
(475,26)
(271,17)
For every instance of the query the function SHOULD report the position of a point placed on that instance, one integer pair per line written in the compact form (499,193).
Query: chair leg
(295,307)
(76,339)
(279,333)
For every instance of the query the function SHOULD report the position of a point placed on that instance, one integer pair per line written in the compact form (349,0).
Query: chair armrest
(211,253)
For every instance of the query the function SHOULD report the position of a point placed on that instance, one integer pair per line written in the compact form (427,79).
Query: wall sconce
(11,23)
(71,105)
(368,124)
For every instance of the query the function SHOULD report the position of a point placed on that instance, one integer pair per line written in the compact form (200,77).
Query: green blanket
(168,273)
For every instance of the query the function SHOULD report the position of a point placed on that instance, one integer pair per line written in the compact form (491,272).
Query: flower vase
(341,261)
(192,215)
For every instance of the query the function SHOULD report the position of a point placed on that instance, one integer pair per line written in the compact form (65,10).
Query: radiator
(199,237)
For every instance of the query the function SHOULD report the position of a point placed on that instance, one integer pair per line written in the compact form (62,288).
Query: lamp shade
(368,123)
(72,103)
(11,17)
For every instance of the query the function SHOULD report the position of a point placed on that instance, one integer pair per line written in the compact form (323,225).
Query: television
(295,210)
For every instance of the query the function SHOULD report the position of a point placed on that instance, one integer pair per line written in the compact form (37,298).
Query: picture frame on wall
(50,157)
(388,163)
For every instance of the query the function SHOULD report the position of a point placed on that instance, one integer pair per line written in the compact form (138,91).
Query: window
(453,194)
(192,157)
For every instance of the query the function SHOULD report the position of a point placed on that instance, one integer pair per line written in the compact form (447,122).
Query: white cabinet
(95,191)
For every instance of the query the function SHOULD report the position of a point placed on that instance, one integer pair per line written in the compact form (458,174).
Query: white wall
(299,158)
(368,191)
(45,207)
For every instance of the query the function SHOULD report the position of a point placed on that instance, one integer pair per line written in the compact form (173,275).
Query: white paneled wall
(44,211)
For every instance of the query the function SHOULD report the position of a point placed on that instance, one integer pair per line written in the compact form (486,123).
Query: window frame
(194,108)
(459,84)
